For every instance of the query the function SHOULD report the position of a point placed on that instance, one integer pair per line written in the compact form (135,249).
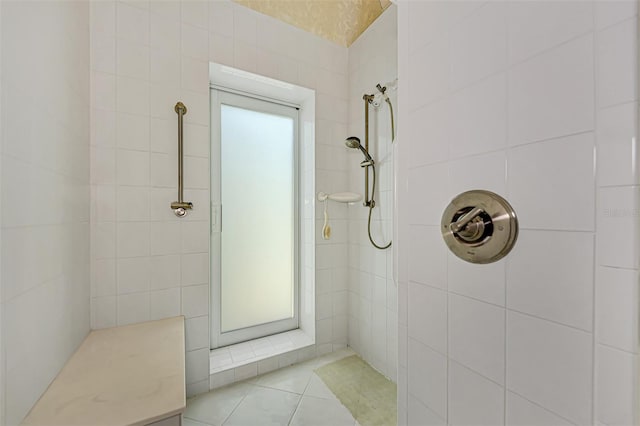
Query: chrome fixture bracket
(479,226)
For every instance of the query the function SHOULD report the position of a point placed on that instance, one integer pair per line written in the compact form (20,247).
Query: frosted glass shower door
(257,288)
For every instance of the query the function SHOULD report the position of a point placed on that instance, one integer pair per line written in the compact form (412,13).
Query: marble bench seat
(128,375)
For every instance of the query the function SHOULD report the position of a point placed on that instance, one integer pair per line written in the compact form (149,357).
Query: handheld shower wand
(354,142)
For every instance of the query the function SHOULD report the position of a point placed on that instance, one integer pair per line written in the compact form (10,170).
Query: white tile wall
(522,412)
(428,316)
(473,399)
(45,282)
(476,336)
(545,191)
(561,289)
(144,58)
(372,292)
(540,105)
(563,356)
(424,362)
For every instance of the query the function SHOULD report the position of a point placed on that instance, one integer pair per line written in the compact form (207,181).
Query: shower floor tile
(293,395)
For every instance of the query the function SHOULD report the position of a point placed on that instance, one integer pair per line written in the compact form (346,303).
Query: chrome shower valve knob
(479,226)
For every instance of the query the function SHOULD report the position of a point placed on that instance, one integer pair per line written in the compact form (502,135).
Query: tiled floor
(290,396)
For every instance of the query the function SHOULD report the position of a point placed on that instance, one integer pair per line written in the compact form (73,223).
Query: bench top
(128,375)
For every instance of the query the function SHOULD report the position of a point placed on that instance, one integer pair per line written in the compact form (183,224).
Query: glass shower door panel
(258,238)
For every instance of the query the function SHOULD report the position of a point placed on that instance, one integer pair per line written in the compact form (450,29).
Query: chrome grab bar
(180,207)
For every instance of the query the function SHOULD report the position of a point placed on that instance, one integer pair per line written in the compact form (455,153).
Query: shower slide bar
(180,207)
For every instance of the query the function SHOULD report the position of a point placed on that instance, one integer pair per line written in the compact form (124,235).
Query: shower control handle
(461,223)
(479,226)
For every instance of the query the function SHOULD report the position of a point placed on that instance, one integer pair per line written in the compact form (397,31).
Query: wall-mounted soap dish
(340,197)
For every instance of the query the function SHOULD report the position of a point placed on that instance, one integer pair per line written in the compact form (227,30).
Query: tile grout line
(293,414)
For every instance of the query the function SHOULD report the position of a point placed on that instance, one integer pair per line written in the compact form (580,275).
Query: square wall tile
(612,12)
(164,169)
(165,272)
(133,23)
(426,21)
(163,139)
(428,316)
(103,91)
(429,73)
(474,400)
(617,145)
(165,238)
(132,132)
(538,26)
(103,240)
(195,301)
(617,63)
(103,312)
(420,414)
(428,379)
(133,167)
(195,237)
(428,134)
(103,277)
(427,256)
(486,171)
(552,94)
(196,12)
(132,95)
(432,180)
(133,275)
(164,303)
(103,18)
(479,44)
(617,303)
(561,289)
(132,204)
(538,177)
(132,60)
(133,239)
(617,242)
(541,352)
(164,33)
(195,268)
(164,68)
(195,42)
(476,336)
(103,165)
(482,282)
(483,109)
(103,128)
(197,333)
(197,389)
(521,412)
(133,308)
(197,365)
(616,387)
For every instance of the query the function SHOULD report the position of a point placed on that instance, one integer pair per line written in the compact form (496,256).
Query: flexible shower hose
(371,206)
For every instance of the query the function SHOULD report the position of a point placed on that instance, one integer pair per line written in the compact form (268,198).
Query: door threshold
(252,351)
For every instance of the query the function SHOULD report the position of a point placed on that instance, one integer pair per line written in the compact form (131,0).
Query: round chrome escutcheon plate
(479,226)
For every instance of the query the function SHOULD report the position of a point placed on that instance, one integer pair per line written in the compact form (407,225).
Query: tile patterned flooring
(293,396)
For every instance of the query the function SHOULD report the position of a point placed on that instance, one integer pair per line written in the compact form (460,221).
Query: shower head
(354,142)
